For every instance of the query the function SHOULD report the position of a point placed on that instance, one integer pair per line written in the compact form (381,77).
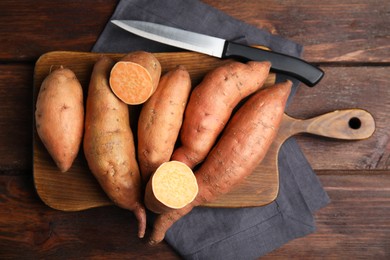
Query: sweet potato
(172,186)
(242,147)
(135,77)
(160,120)
(59,116)
(109,146)
(211,104)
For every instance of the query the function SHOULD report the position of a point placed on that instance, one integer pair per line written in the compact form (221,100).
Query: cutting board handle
(347,124)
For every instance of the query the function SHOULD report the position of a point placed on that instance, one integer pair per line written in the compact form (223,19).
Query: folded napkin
(218,233)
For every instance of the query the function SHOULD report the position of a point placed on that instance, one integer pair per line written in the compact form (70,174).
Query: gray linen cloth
(211,233)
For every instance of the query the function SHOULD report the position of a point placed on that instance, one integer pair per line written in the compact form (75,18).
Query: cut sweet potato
(172,186)
(135,77)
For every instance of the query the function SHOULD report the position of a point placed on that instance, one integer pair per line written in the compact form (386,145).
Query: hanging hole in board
(355,123)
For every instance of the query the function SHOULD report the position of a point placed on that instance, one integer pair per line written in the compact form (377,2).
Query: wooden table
(349,39)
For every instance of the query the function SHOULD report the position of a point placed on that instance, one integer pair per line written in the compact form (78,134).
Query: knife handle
(282,63)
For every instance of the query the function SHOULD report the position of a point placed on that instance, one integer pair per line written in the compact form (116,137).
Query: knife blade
(221,48)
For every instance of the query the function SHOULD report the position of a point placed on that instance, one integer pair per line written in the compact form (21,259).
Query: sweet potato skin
(211,104)
(241,148)
(59,116)
(109,146)
(160,120)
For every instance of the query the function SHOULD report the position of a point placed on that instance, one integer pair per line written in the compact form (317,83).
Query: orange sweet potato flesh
(109,146)
(160,120)
(59,116)
(242,146)
(211,104)
(135,77)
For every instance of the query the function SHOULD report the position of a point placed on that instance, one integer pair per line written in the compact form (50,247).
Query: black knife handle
(282,63)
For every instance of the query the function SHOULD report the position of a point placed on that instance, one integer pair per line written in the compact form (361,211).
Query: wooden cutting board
(77,189)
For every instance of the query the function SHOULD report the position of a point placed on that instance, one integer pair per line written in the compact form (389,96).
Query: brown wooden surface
(348,39)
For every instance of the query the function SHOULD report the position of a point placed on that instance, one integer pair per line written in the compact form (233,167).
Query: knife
(217,47)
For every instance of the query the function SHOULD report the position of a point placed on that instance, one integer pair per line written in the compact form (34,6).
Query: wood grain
(348,31)
(350,40)
(30,29)
(16,123)
(31,230)
(345,31)
(346,87)
(354,226)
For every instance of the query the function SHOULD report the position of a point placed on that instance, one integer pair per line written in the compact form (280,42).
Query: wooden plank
(331,31)
(354,225)
(31,230)
(31,28)
(16,116)
(342,88)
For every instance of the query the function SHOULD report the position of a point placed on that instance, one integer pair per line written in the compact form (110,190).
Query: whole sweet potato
(211,104)
(109,146)
(242,146)
(59,116)
(160,120)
